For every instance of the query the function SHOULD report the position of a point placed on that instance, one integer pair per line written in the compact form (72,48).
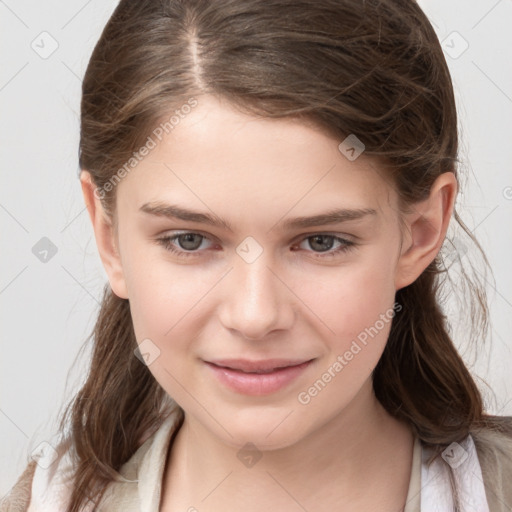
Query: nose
(256,299)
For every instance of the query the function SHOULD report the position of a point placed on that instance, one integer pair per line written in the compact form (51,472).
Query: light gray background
(48,309)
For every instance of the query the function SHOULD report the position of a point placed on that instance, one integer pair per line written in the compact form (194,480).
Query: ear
(426,226)
(105,236)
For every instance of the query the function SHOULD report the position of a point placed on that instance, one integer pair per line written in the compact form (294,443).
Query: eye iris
(320,239)
(186,241)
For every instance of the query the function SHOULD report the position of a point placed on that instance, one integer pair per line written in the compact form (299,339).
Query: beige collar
(140,482)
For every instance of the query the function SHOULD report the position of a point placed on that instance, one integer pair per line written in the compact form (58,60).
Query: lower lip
(257,384)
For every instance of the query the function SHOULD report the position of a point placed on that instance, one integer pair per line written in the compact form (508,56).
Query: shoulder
(18,499)
(40,489)
(46,484)
(494,444)
(139,483)
(494,448)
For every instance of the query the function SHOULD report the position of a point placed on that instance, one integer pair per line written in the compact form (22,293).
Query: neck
(352,449)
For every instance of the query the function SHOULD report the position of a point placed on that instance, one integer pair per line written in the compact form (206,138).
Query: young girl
(270,184)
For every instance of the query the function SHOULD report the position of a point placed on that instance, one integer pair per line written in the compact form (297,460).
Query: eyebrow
(330,217)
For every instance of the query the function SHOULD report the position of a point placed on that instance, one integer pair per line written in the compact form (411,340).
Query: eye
(183,244)
(324,243)
(190,244)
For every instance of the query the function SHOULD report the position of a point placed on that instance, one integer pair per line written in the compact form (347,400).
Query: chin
(269,430)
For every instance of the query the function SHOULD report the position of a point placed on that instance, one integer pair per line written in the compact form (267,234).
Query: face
(273,301)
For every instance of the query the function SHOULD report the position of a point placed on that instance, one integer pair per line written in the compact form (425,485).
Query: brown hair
(373,68)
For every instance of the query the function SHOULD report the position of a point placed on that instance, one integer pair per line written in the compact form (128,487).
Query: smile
(257,377)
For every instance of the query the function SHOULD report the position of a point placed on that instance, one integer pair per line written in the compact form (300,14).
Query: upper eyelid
(297,239)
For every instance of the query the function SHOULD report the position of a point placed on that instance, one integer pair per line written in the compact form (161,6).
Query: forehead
(236,162)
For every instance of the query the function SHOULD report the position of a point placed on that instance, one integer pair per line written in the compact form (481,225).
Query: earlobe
(104,235)
(427,225)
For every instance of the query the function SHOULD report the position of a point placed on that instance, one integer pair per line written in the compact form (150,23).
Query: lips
(254,377)
(263,366)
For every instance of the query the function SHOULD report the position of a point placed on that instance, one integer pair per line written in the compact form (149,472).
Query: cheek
(352,298)
(161,292)
(359,307)
(167,309)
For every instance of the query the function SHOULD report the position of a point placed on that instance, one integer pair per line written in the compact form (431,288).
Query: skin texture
(292,301)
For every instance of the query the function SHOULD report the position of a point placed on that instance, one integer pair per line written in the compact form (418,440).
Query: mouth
(257,377)
(263,366)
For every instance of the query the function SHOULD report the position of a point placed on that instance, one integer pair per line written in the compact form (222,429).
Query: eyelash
(166,242)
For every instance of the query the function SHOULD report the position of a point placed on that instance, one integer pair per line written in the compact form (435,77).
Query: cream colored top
(139,488)
(412,503)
